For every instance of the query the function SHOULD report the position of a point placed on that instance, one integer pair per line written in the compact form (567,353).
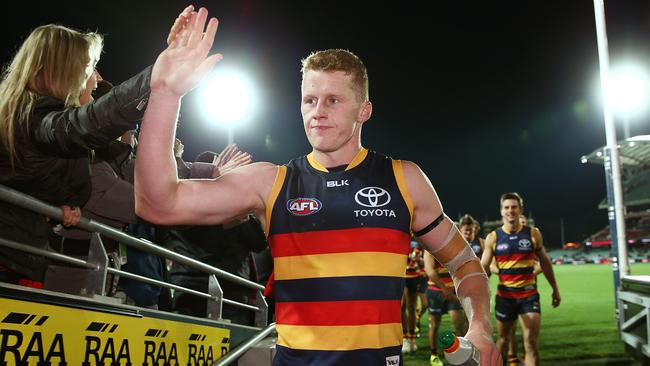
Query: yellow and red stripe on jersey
(444,276)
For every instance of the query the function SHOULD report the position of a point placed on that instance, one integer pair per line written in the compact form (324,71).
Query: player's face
(467,231)
(510,210)
(331,112)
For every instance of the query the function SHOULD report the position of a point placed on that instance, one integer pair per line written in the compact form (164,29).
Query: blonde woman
(49,123)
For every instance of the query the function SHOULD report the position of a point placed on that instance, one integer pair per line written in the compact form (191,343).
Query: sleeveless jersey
(515,258)
(444,275)
(415,263)
(339,241)
(476,247)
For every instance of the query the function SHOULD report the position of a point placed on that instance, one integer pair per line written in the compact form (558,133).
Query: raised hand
(179,24)
(240,159)
(230,158)
(227,154)
(185,62)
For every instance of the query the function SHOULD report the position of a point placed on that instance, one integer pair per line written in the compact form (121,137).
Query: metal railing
(98,261)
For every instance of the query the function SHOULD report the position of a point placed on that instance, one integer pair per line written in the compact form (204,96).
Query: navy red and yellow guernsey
(339,239)
(476,247)
(515,255)
(415,263)
(444,275)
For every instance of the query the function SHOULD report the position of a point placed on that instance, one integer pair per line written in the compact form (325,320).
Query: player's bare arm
(546,266)
(439,235)
(160,196)
(488,254)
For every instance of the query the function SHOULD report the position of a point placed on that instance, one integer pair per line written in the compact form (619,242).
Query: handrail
(20,199)
(46,253)
(82,263)
(151,281)
(233,355)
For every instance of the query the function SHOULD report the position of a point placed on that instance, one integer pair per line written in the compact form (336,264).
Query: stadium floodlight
(228,98)
(628,88)
(628,92)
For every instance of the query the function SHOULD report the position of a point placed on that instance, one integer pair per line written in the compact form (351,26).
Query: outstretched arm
(487,259)
(160,196)
(448,246)
(546,266)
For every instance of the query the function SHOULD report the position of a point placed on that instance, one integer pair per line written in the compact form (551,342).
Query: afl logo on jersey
(372,197)
(303,206)
(525,244)
(502,247)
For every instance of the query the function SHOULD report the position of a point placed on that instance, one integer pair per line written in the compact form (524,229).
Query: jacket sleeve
(199,170)
(73,131)
(113,198)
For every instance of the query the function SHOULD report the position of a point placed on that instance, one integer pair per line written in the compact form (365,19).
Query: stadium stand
(633,295)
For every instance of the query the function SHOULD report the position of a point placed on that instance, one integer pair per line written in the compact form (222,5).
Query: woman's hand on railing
(71,215)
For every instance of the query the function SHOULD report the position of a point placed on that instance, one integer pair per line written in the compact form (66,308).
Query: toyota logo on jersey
(372,197)
(304,206)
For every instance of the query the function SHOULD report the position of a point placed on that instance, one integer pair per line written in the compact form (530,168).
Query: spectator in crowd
(49,122)
(150,265)
(227,247)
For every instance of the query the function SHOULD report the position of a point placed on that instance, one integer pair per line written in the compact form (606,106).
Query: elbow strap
(458,282)
(431,226)
(450,235)
(465,255)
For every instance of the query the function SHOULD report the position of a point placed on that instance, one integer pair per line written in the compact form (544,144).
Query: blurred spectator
(227,247)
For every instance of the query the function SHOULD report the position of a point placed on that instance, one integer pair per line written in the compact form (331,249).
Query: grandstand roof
(634,153)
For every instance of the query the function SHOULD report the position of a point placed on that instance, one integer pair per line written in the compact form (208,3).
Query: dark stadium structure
(633,307)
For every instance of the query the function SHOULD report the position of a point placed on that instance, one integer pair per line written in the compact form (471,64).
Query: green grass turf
(581,331)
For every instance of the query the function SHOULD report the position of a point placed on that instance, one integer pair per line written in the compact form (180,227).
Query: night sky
(485,98)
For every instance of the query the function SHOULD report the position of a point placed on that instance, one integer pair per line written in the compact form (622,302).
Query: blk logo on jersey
(304,206)
(337,183)
(372,197)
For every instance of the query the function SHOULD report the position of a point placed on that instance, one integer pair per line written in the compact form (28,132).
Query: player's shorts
(507,309)
(416,284)
(438,305)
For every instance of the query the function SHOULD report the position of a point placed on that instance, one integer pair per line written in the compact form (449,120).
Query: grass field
(581,331)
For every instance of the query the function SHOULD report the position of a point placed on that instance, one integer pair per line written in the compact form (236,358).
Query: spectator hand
(179,148)
(71,215)
(224,156)
(185,62)
(223,166)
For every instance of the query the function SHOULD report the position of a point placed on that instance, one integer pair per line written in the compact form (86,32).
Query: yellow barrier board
(41,334)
